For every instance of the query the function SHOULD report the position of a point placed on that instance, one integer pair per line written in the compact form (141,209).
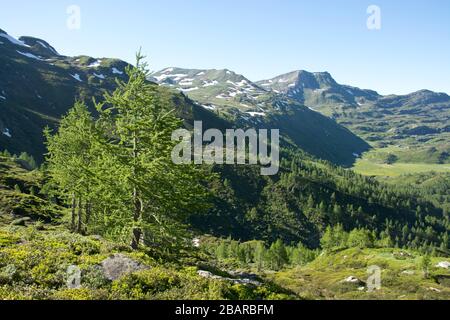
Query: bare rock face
(119,265)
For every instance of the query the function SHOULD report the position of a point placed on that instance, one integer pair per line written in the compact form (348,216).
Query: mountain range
(328,120)
(419,120)
(38,86)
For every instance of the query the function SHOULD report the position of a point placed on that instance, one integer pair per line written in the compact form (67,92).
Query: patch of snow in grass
(29,55)
(256,114)
(210,84)
(188,89)
(186,82)
(116,71)
(95,64)
(76,76)
(100,76)
(209,107)
(14,40)
(42,44)
(47,47)
(7,133)
(176,77)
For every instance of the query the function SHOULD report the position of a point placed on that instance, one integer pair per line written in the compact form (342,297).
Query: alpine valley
(364,180)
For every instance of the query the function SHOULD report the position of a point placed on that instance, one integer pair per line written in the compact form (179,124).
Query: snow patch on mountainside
(29,55)
(7,133)
(47,47)
(76,76)
(14,40)
(256,114)
(210,84)
(175,77)
(188,89)
(95,64)
(209,107)
(100,76)
(116,71)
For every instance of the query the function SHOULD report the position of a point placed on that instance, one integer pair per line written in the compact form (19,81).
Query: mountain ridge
(420,120)
(38,86)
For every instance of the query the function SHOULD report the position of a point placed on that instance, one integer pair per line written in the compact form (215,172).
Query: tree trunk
(88,216)
(74,206)
(137,232)
(80,216)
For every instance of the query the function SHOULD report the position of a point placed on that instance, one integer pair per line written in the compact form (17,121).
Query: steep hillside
(38,86)
(249,105)
(417,123)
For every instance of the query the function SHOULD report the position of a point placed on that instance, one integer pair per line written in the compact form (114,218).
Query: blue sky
(257,38)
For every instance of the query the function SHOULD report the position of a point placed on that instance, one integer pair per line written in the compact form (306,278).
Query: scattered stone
(443,264)
(403,255)
(408,272)
(21,221)
(119,265)
(196,242)
(244,281)
(354,280)
(434,289)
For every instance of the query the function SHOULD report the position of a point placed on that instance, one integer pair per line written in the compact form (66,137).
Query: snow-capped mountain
(38,86)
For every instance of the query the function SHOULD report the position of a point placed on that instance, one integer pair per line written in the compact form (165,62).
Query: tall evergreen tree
(155,192)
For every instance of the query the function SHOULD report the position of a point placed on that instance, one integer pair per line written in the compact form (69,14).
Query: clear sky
(257,38)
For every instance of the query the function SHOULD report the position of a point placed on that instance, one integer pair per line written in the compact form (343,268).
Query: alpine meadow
(118,182)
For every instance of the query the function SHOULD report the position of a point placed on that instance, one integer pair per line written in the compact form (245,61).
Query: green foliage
(425,264)
(116,172)
(360,238)
(256,254)
(334,238)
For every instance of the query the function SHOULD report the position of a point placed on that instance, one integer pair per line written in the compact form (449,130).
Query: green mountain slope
(38,86)
(418,122)
(249,105)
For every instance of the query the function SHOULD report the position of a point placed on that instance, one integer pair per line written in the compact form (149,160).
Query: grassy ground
(404,161)
(401,276)
(370,168)
(34,265)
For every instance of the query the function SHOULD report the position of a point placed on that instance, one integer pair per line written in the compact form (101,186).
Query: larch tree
(154,193)
(70,161)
